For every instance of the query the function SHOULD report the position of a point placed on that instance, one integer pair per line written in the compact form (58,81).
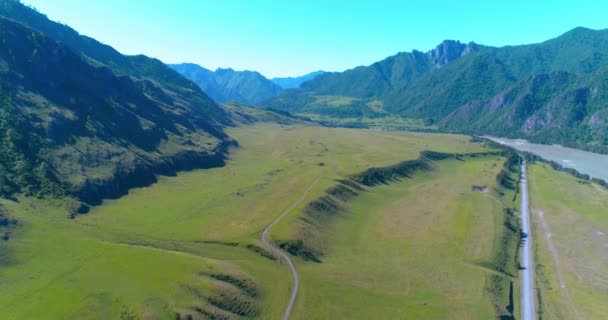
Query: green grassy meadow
(416,249)
(182,246)
(571,240)
(385,123)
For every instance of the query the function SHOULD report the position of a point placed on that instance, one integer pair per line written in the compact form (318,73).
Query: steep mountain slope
(226,85)
(296,82)
(475,76)
(138,66)
(546,108)
(452,84)
(73,126)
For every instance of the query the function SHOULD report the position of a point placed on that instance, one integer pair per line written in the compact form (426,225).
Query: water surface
(593,164)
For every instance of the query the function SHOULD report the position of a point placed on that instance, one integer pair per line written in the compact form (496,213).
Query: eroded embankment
(321,211)
(504,263)
(235,297)
(144,174)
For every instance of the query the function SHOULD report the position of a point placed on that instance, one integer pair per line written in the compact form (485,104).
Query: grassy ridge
(335,227)
(388,254)
(319,212)
(506,243)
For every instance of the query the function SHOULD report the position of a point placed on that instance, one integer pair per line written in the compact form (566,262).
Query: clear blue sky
(294,37)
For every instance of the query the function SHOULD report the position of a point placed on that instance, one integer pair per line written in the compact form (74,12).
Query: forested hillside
(78,118)
(554,89)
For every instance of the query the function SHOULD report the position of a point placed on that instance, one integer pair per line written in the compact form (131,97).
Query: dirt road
(285,256)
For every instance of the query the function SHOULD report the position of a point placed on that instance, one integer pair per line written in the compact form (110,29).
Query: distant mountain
(361,86)
(295,82)
(453,85)
(225,85)
(384,77)
(78,118)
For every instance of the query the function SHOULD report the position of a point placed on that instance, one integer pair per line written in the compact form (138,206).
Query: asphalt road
(285,256)
(528,311)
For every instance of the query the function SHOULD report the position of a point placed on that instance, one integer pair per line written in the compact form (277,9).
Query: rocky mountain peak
(450,50)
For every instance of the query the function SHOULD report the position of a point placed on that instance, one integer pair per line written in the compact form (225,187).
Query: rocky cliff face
(450,50)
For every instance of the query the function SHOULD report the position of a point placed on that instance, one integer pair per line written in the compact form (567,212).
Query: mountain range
(228,85)
(550,92)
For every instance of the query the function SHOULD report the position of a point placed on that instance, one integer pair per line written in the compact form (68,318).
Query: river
(593,164)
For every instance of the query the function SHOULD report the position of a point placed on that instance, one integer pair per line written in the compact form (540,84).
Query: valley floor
(571,239)
(428,245)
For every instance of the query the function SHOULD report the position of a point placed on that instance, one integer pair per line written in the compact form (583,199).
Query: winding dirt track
(285,256)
